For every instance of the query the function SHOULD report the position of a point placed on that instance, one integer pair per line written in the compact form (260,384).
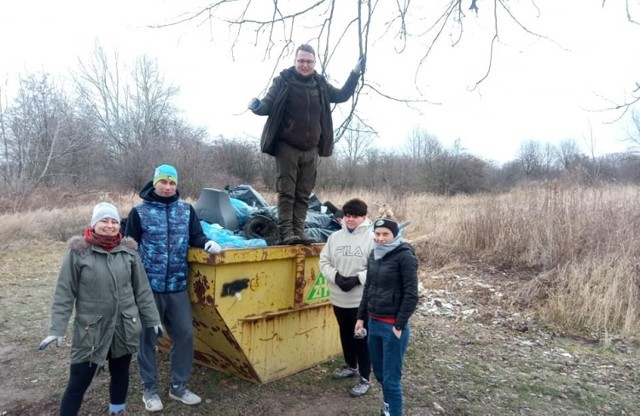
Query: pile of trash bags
(239,217)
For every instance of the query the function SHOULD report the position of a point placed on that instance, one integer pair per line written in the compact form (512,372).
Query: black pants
(81,375)
(356,352)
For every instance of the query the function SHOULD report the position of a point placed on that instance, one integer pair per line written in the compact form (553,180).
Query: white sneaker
(185,396)
(152,402)
(361,388)
(345,372)
(385,409)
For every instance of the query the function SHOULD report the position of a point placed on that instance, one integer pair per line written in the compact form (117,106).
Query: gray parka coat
(112,299)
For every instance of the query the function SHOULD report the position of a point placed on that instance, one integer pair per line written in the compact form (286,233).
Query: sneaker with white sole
(184,395)
(152,402)
(361,388)
(345,372)
(385,409)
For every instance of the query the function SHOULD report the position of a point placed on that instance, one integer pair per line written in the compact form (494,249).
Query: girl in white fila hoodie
(343,262)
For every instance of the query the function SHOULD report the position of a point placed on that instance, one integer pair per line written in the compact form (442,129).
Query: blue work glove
(361,65)
(48,340)
(212,247)
(254,104)
(158,330)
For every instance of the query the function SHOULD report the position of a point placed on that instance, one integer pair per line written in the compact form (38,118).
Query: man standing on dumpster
(165,227)
(298,130)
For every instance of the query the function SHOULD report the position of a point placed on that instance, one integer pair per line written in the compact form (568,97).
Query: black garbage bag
(314,203)
(320,234)
(316,219)
(247,194)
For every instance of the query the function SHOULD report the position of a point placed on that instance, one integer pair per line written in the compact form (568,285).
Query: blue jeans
(387,356)
(175,314)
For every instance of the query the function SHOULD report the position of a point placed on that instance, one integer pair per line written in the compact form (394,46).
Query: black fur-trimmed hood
(78,245)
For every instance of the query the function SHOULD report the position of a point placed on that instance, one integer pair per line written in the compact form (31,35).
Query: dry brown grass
(597,295)
(54,220)
(580,242)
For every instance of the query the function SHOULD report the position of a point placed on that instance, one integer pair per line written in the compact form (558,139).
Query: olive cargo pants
(296,176)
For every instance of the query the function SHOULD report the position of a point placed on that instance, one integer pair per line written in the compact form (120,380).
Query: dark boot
(306,240)
(290,240)
(285,220)
(300,208)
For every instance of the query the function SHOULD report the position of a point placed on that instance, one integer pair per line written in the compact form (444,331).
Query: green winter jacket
(112,299)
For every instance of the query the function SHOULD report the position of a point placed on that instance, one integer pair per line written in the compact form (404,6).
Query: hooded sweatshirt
(347,253)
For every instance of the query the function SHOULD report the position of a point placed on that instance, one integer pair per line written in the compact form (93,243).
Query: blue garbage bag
(243,211)
(227,239)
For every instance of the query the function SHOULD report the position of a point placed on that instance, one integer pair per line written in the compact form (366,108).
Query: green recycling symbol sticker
(319,290)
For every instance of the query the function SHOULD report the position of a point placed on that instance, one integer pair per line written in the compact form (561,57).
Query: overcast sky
(537,89)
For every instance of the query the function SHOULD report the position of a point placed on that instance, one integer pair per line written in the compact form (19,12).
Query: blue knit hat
(167,172)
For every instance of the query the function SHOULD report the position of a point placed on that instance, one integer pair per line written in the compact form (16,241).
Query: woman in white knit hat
(103,277)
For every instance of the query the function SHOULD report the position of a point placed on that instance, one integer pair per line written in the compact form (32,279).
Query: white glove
(48,340)
(158,330)
(254,104)
(212,247)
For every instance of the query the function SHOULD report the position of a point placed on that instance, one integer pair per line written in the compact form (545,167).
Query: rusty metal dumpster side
(261,313)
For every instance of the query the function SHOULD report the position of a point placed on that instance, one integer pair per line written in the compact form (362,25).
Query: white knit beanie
(104,210)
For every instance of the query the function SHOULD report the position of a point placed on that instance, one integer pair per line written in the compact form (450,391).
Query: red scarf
(106,242)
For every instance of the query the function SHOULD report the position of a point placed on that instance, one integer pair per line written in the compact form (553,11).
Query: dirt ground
(471,353)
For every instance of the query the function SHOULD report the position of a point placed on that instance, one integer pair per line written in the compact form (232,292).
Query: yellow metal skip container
(261,313)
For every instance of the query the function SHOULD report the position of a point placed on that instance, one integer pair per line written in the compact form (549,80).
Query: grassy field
(528,306)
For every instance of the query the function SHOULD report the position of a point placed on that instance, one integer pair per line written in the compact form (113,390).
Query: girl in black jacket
(389,299)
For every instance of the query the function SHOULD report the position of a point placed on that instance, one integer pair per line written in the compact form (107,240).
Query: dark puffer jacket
(391,289)
(165,227)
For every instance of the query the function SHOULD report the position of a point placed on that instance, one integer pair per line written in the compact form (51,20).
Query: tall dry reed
(581,243)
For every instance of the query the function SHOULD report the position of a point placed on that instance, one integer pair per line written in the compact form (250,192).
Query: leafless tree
(548,159)
(594,167)
(133,108)
(134,113)
(362,27)
(355,144)
(422,146)
(421,151)
(5,136)
(568,153)
(38,136)
(239,158)
(530,156)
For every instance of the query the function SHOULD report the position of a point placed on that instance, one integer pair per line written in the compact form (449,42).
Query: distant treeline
(115,126)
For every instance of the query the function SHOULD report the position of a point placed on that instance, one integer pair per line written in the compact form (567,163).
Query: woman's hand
(397,332)
(359,326)
(48,340)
